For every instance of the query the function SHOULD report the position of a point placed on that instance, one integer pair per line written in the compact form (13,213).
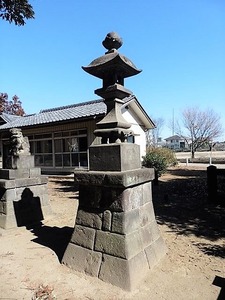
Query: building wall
(176,144)
(139,133)
(36,135)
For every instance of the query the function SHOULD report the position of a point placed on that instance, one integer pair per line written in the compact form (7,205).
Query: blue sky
(179,45)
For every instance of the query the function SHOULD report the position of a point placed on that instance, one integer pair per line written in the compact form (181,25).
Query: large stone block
(128,199)
(82,259)
(114,157)
(35,172)
(160,248)
(9,207)
(90,196)
(8,221)
(9,195)
(89,219)
(123,179)
(125,222)
(22,161)
(7,184)
(44,199)
(110,243)
(23,192)
(147,214)
(154,230)
(25,182)
(151,256)
(83,236)
(22,173)
(7,174)
(124,246)
(147,192)
(155,252)
(146,235)
(46,210)
(126,274)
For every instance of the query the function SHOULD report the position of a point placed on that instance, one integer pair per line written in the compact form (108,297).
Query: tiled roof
(70,112)
(8,118)
(63,113)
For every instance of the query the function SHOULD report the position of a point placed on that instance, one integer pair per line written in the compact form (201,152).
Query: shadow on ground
(180,202)
(55,238)
(65,185)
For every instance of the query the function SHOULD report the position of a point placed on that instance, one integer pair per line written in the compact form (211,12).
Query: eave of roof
(140,112)
(59,114)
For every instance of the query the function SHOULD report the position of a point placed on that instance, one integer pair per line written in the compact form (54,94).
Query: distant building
(60,137)
(176,142)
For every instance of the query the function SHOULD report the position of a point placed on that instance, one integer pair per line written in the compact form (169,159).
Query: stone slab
(8,221)
(124,246)
(89,219)
(123,273)
(7,174)
(147,214)
(155,252)
(114,157)
(83,236)
(114,179)
(10,184)
(22,161)
(126,222)
(82,260)
(147,192)
(23,201)
(19,173)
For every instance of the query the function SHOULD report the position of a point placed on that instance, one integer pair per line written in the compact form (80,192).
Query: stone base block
(8,221)
(22,161)
(116,237)
(82,260)
(155,252)
(114,157)
(19,173)
(123,273)
(23,204)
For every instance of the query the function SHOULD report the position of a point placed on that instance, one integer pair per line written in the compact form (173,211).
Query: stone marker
(116,237)
(23,190)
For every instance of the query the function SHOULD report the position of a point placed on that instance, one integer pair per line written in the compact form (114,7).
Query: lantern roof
(112,62)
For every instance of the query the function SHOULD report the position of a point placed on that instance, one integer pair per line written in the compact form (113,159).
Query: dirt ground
(193,229)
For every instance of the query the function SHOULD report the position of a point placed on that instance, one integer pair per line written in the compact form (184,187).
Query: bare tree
(153,135)
(202,127)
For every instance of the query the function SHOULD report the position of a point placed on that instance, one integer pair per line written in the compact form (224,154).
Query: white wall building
(176,142)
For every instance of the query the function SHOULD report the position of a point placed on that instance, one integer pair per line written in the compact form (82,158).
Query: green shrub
(159,159)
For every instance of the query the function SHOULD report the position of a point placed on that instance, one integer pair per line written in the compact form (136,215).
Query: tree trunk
(192,153)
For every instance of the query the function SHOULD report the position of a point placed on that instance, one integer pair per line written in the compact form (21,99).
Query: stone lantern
(116,237)
(112,68)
